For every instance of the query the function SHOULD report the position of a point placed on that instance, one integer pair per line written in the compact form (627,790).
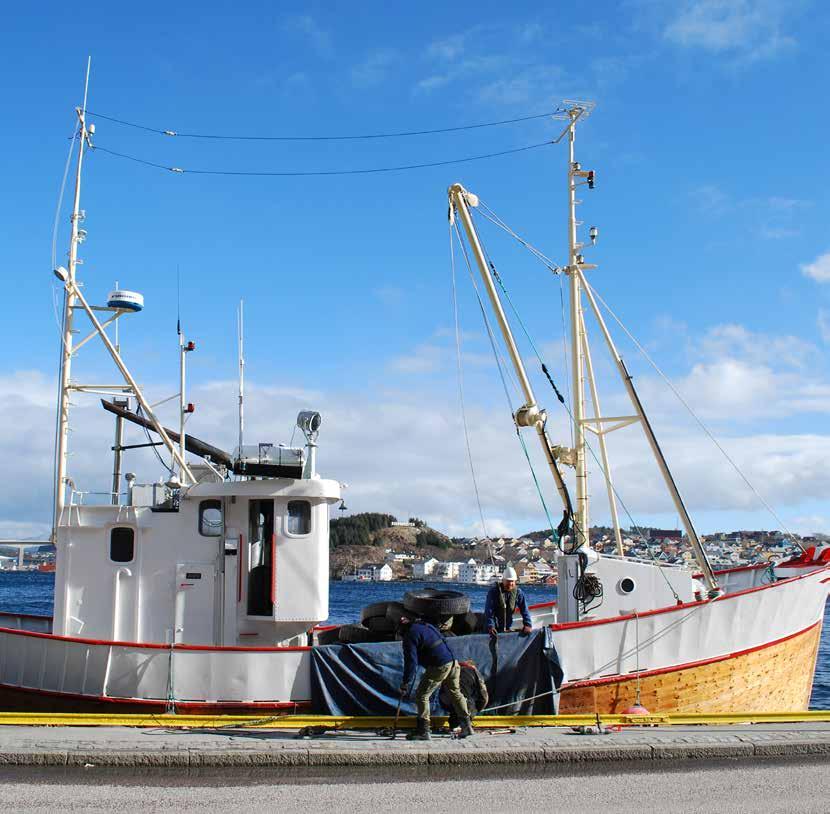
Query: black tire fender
(434,604)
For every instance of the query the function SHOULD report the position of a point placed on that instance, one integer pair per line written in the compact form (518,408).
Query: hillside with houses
(375,547)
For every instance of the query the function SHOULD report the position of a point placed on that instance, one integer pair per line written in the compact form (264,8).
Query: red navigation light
(590,179)
(191,408)
(190,346)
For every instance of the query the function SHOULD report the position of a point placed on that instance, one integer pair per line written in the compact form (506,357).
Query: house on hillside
(474,573)
(371,572)
(447,571)
(424,568)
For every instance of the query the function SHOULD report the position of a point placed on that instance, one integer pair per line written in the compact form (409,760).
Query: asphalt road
(734,787)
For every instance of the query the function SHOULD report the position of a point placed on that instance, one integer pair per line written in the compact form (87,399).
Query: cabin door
(195,596)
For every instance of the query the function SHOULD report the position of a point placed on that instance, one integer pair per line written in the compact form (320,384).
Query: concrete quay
(126,747)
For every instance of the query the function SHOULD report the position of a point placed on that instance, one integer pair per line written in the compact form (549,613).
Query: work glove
(526,630)
(492,631)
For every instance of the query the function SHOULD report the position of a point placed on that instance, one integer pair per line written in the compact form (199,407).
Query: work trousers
(447,675)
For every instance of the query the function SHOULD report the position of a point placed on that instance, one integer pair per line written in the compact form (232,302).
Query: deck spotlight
(61,273)
(309,422)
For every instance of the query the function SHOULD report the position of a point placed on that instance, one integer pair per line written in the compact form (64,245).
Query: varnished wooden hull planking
(774,678)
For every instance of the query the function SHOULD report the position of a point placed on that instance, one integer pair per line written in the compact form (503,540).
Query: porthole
(626,585)
(122,544)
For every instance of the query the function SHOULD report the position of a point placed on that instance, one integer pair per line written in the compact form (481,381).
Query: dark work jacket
(471,688)
(423,645)
(498,612)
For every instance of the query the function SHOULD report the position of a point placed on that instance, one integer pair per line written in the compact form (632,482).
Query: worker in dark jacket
(502,601)
(425,646)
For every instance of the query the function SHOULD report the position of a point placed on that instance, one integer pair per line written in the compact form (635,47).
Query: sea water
(32,592)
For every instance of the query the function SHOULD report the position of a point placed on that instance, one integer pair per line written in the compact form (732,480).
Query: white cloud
(823,321)
(425,358)
(523,87)
(750,29)
(449,48)
(375,68)
(307,27)
(403,451)
(819,269)
(737,342)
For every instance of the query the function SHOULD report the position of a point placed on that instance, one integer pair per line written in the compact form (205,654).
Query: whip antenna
(241,352)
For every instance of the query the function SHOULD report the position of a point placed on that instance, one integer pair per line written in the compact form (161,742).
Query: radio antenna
(241,350)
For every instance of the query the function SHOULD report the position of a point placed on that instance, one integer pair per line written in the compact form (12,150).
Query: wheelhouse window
(122,544)
(210,518)
(299,517)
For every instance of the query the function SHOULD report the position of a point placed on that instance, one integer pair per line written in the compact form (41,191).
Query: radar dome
(126,300)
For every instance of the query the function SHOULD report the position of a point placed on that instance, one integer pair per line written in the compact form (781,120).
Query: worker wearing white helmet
(503,599)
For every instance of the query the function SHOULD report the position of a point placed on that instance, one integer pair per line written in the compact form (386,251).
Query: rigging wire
(358,137)
(488,213)
(309,173)
(461,396)
(697,419)
(634,524)
(499,365)
(152,445)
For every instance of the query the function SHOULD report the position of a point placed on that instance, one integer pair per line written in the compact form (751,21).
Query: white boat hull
(696,656)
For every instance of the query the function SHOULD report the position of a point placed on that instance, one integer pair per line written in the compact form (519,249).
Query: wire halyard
(325,137)
(320,173)
(501,369)
(697,419)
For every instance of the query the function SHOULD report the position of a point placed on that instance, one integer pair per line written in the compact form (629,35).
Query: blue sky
(709,143)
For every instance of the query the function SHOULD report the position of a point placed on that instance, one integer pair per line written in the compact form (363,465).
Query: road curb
(332,758)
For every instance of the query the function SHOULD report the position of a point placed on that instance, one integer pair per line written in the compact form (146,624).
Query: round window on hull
(626,585)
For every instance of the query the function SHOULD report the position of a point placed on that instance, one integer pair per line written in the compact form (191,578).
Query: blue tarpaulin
(363,679)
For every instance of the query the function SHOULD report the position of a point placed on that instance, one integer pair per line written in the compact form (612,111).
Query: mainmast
(580,353)
(69,304)
(575,174)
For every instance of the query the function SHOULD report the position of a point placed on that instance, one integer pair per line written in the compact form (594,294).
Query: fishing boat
(203,592)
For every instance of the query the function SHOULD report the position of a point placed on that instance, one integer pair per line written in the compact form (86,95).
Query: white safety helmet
(509,573)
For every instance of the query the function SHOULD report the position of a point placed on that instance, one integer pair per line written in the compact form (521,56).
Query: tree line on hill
(357,529)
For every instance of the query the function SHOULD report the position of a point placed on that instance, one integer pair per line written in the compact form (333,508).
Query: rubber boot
(421,732)
(466,728)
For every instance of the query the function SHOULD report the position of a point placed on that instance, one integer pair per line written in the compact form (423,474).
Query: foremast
(69,302)
(74,300)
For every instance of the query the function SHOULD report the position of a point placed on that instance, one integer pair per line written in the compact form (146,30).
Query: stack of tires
(379,622)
